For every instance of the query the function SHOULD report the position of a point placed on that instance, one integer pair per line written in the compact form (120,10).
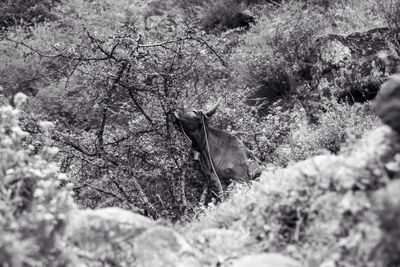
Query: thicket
(107,83)
(109,91)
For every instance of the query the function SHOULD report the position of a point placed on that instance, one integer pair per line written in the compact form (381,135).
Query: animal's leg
(204,195)
(217,184)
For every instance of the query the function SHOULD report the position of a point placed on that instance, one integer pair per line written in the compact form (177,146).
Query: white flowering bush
(33,207)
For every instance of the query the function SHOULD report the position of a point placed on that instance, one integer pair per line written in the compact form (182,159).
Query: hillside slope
(93,173)
(328,210)
(324,211)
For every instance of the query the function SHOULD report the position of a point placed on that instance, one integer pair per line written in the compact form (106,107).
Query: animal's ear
(171,116)
(212,111)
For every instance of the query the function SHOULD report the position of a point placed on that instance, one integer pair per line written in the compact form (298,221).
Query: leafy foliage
(320,211)
(108,81)
(34,209)
(391,11)
(107,73)
(22,12)
(338,127)
(130,81)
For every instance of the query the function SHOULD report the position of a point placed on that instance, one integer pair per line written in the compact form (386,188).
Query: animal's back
(228,154)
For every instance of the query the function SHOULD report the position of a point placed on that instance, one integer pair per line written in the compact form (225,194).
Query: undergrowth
(312,211)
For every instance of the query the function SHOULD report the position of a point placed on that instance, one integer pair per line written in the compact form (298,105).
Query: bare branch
(60,55)
(132,96)
(199,40)
(121,189)
(100,132)
(101,190)
(74,146)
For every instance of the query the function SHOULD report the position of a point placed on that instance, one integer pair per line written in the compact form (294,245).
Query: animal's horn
(212,111)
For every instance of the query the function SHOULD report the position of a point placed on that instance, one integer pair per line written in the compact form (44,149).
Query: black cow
(223,157)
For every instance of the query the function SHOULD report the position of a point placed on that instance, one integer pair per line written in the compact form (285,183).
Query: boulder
(387,206)
(388,197)
(117,237)
(265,260)
(87,224)
(162,246)
(220,244)
(387,104)
(348,66)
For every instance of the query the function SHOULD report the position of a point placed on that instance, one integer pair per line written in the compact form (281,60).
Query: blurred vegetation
(105,73)
(33,208)
(325,211)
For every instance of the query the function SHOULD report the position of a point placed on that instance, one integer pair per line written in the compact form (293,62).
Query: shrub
(33,207)
(338,128)
(25,12)
(113,134)
(312,211)
(391,12)
(221,15)
(275,58)
(109,85)
(270,56)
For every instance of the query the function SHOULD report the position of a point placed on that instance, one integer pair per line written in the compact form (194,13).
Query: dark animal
(223,157)
(241,20)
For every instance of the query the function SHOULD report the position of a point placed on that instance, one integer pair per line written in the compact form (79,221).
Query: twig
(106,192)
(120,189)
(131,95)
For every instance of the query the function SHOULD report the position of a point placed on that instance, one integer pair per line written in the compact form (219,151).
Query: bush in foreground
(33,207)
(319,211)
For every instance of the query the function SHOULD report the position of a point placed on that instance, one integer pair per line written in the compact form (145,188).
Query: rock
(352,61)
(117,237)
(220,244)
(87,224)
(265,260)
(346,67)
(389,196)
(162,246)
(104,235)
(328,263)
(387,103)
(387,207)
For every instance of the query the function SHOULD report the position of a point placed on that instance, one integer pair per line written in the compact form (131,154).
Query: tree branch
(131,95)
(121,189)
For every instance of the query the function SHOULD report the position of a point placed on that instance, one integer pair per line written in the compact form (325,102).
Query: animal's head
(190,120)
